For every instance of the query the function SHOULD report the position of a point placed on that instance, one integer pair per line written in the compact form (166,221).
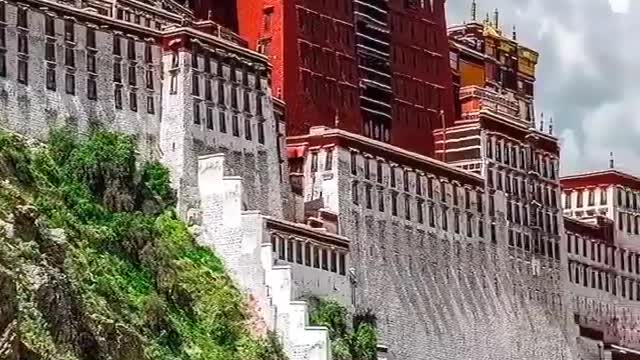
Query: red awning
(294,152)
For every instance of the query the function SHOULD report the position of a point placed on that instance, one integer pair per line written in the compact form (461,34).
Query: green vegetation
(355,341)
(125,278)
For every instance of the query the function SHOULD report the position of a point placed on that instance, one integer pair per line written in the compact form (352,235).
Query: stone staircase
(239,237)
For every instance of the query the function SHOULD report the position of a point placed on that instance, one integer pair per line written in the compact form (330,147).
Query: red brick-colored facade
(313,47)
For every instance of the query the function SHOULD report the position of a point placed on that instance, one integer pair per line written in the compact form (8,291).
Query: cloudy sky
(588,75)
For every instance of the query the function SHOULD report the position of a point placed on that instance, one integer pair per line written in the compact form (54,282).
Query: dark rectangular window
(117,96)
(207,63)
(480,228)
(133,101)
(49,26)
(418,184)
(117,72)
(429,188)
(456,222)
(432,216)
(70,83)
(479,203)
(341,264)
(445,220)
(314,161)
(222,118)
(246,102)
(299,252)
(51,78)
(50,51)
(220,92)
(91,62)
(3,12)
(261,131)
(380,200)
(367,196)
(379,171)
(259,105)
(148,54)
(394,204)
(3,37)
(469,225)
(91,38)
(196,113)
(207,90)
(69,31)
(234,97)
(22,18)
(151,108)
(117,47)
(23,43)
(149,79)
(131,49)
(132,75)
(325,259)
(354,192)
(23,72)
(235,126)
(307,254)
(209,118)
(334,262)
(247,128)
(195,84)
(69,57)
(392,176)
(354,165)
(420,211)
(407,207)
(92,89)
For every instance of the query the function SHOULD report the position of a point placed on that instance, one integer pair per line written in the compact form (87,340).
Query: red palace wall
(315,71)
(422,82)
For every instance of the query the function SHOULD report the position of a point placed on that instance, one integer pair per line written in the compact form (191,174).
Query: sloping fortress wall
(436,268)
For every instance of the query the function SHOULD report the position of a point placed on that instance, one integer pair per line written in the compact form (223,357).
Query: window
(51,78)
(132,75)
(579,199)
(91,62)
(367,196)
(354,165)
(328,161)
(479,203)
(314,161)
(407,207)
(603,196)
(117,95)
(69,57)
(69,31)
(23,71)
(151,109)
(117,72)
(92,89)
(209,118)
(454,194)
(149,79)
(148,54)
(234,97)
(394,204)
(131,49)
(235,125)
(117,49)
(445,220)
(196,113)
(49,26)
(325,260)
(70,83)
(480,228)
(443,192)
(23,43)
(591,198)
(260,131)
(354,192)
(50,51)
(91,38)
(22,20)
(392,176)
(247,128)
(492,206)
(220,92)
(246,102)
(367,169)
(222,119)
(133,101)
(379,171)
(195,84)
(493,233)
(430,188)
(380,200)
(405,180)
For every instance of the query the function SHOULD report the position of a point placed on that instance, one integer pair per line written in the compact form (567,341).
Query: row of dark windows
(131,75)
(307,254)
(597,279)
(122,14)
(603,253)
(418,185)
(208,94)
(517,187)
(222,122)
(131,49)
(198,54)
(419,210)
(515,157)
(133,100)
(591,198)
(536,244)
(631,221)
(628,199)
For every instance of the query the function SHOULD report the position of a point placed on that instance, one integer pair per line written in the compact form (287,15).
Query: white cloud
(619,6)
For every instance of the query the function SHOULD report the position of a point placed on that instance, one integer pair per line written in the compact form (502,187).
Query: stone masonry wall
(34,110)
(441,295)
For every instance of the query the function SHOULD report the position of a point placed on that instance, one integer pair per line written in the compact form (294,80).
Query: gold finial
(551,126)
(496,18)
(474,10)
(541,122)
(486,20)
(514,35)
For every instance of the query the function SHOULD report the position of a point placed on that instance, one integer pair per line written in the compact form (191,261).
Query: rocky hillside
(94,263)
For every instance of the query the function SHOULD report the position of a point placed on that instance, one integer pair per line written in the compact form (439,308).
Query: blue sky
(588,75)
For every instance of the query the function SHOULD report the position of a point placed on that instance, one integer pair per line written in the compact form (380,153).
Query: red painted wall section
(422,83)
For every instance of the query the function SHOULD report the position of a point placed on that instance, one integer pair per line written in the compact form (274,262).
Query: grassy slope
(127,280)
